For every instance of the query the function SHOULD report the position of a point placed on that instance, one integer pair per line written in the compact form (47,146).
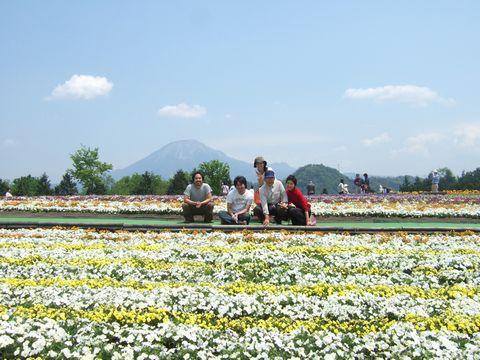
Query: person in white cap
(435,181)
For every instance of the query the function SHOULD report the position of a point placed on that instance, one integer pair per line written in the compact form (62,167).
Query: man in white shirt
(239,201)
(274,200)
(198,199)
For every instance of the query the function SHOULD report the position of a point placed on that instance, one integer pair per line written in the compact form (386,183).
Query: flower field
(72,293)
(391,205)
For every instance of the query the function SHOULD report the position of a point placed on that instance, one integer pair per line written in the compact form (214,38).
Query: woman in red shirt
(298,207)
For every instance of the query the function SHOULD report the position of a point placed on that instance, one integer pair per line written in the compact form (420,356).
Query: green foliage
(25,186)
(145,184)
(4,186)
(216,173)
(178,183)
(392,182)
(89,170)
(470,180)
(448,181)
(67,186)
(44,186)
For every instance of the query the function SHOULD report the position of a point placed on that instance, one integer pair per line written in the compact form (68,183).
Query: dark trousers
(226,219)
(274,210)
(190,210)
(297,215)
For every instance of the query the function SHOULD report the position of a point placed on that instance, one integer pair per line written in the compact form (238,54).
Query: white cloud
(228,116)
(467,136)
(410,94)
(183,111)
(420,144)
(380,139)
(8,142)
(82,87)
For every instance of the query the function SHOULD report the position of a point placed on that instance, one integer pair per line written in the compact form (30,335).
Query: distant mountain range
(187,155)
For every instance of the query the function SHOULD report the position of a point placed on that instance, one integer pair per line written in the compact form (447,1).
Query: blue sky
(388,88)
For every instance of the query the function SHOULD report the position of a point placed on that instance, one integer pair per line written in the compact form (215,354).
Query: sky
(383,87)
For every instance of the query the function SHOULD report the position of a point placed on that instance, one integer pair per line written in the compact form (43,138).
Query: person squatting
(270,199)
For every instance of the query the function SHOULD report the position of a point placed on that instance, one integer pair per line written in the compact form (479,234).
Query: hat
(435,171)
(269,174)
(258,159)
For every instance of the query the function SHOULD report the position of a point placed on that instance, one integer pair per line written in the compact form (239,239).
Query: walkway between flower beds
(177,224)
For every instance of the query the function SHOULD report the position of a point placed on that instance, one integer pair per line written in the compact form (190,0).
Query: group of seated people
(271,200)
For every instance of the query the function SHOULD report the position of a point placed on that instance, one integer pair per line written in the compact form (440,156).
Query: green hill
(323,177)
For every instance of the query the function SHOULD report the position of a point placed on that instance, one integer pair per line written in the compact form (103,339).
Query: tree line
(468,180)
(89,176)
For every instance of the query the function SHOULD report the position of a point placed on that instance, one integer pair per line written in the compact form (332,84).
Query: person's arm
(307,218)
(207,200)
(303,200)
(283,195)
(187,200)
(230,211)
(264,200)
(208,197)
(245,209)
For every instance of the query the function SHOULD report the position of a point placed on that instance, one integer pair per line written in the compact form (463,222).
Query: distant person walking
(311,188)
(435,180)
(198,199)
(358,184)
(365,183)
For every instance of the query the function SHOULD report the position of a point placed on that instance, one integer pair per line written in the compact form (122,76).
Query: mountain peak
(185,149)
(187,155)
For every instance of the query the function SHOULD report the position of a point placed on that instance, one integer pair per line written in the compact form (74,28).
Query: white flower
(5,340)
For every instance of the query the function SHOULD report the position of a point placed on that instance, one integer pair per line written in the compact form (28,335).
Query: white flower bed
(88,294)
(448,206)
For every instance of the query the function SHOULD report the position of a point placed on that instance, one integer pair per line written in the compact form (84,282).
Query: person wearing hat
(274,200)
(435,181)
(260,166)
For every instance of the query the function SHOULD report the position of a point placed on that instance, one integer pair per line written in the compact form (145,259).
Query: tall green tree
(89,170)
(67,186)
(178,183)
(216,173)
(4,186)
(44,186)
(145,184)
(470,180)
(448,181)
(25,186)
(406,186)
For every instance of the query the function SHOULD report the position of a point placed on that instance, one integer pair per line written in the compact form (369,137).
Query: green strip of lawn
(320,224)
